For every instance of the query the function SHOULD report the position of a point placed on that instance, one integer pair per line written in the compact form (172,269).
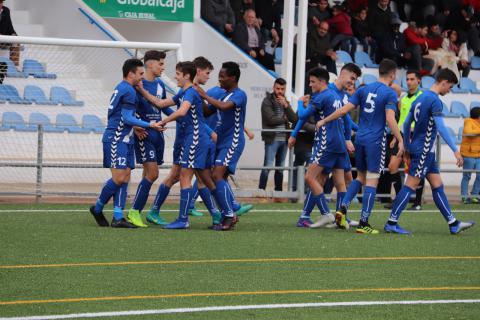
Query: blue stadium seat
(446,112)
(13,120)
(37,118)
(427,82)
(10,94)
(468,84)
(456,89)
(36,69)
(35,94)
(93,123)
(475,63)
(404,83)
(11,69)
(344,57)
(369,78)
(67,122)
(458,108)
(363,59)
(474,104)
(278,55)
(61,95)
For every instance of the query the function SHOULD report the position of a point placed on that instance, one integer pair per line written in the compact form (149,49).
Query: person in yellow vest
(470,150)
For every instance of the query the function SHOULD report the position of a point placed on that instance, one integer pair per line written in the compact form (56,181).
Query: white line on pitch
(245,307)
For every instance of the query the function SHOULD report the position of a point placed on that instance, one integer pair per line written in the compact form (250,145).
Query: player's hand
(140,132)
(406,158)
(291,142)
(305,99)
(139,86)
(392,143)
(350,146)
(320,124)
(159,126)
(459,158)
(214,137)
(250,135)
(401,149)
(200,91)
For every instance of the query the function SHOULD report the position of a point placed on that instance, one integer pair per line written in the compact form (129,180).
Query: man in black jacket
(276,114)
(219,14)
(6,29)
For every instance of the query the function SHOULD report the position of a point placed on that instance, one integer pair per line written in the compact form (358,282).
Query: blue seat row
(34,94)
(31,67)
(63,122)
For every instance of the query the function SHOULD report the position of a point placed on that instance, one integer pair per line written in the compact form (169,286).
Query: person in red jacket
(341,26)
(418,45)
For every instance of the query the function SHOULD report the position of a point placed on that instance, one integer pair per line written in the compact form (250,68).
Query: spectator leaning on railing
(470,150)
(6,29)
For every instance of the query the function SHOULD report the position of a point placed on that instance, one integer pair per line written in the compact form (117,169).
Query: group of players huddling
(209,141)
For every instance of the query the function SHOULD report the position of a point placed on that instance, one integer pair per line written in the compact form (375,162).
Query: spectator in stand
(319,49)
(341,27)
(470,150)
(355,5)
(277,114)
(219,14)
(458,54)
(269,18)
(379,17)
(418,45)
(318,11)
(248,37)
(394,47)
(415,10)
(240,6)
(362,33)
(6,29)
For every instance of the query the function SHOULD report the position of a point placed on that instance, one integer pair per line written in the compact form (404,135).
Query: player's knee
(152,176)
(372,175)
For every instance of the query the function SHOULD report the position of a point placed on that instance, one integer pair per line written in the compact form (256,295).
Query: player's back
(374,99)
(233,120)
(194,119)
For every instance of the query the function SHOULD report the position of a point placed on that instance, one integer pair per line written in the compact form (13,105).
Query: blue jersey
(427,106)
(344,97)
(216,93)
(232,121)
(194,119)
(124,97)
(374,99)
(331,135)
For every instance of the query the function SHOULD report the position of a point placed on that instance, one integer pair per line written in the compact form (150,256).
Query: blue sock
(309,204)
(208,200)
(401,201)
(322,204)
(352,191)
(222,197)
(185,199)
(162,194)
(141,197)
(367,203)
(340,197)
(235,205)
(107,192)
(442,204)
(194,196)
(119,201)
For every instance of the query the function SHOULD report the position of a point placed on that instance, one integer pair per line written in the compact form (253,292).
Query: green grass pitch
(266,260)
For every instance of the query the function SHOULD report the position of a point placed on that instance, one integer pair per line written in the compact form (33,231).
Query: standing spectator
(248,37)
(394,46)
(378,19)
(270,19)
(318,11)
(240,6)
(341,25)
(458,53)
(276,114)
(470,150)
(319,49)
(219,14)
(418,45)
(362,33)
(6,29)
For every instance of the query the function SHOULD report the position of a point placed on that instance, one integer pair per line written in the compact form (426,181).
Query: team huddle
(209,141)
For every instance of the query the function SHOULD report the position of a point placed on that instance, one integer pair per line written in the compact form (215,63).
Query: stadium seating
(344,57)
(446,112)
(456,89)
(13,120)
(67,123)
(457,108)
(93,123)
(36,69)
(363,59)
(9,93)
(475,63)
(41,119)
(474,104)
(37,95)
(278,55)
(427,82)
(369,78)
(62,96)
(469,85)
(11,69)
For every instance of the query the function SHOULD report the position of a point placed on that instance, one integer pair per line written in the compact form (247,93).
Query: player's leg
(221,192)
(327,219)
(120,199)
(238,208)
(305,221)
(173,177)
(191,206)
(150,175)
(186,194)
(206,188)
(318,197)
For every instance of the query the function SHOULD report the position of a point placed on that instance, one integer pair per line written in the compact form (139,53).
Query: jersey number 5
(370,103)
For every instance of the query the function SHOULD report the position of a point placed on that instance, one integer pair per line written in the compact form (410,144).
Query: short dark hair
(421,24)
(446,74)
(131,65)
(187,67)
(280,81)
(352,67)
(232,68)
(154,55)
(475,113)
(415,72)
(319,73)
(386,67)
(202,63)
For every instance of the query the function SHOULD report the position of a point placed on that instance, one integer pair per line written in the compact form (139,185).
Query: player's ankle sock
(194,195)
(185,198)
(117,213)
(400,203)
(162,194)
(208,200)
(352,191)
(442,204)
(367,202)
(322,204)
(397,182)
(235,205)
(107,192)
(340,196)
(309,204)
(222,197)
(141,197)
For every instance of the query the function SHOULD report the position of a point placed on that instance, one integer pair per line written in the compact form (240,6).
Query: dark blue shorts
(118,155)
(370,157)
(195,150)
(149,151)
(228,155)
(327,159)
(423,164)
(347,166)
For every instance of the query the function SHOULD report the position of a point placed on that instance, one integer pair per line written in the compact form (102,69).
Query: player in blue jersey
(420,144)
(329,145)
(149,144)
(118,153)
(378,103)
(230,140)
